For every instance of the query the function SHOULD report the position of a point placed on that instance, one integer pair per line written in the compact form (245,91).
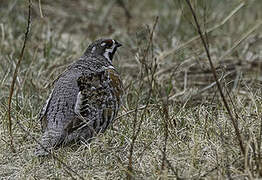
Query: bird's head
(104,47)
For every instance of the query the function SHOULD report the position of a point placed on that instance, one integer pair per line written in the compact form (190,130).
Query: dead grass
(181,129)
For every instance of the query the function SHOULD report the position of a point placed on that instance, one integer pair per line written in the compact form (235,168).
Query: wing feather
(42,114)
(98,100)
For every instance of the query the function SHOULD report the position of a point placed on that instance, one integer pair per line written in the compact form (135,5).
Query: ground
(173,123)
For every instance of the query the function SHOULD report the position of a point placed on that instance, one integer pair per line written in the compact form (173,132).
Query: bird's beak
(118,44)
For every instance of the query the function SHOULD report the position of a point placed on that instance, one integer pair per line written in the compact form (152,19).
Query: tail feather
(49,141)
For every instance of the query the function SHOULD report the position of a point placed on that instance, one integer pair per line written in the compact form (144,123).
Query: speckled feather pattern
(84,101)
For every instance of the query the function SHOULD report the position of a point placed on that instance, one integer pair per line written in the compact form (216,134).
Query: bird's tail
(50,140)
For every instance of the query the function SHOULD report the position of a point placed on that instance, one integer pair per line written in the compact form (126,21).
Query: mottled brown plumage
(85,98)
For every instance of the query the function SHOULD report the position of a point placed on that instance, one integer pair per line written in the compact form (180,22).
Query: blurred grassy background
(184,120)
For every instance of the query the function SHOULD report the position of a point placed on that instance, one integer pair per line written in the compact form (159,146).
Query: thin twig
(234,122)
(130,160)
(10,100)
(166,119)
(137,127)
(170,166)
(15,76)
(131,111)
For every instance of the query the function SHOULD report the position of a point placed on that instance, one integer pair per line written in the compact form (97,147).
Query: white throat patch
(109,50)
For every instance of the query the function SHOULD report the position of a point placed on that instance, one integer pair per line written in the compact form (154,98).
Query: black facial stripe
(114,50)
(111,54)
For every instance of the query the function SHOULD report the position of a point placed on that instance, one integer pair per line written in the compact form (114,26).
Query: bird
(85,99)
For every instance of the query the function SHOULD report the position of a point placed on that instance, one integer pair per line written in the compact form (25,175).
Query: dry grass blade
(236,44)
(40,9)
(131,111)
(164,54)
(234,122)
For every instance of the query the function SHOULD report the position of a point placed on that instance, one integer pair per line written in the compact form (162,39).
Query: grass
(173,124)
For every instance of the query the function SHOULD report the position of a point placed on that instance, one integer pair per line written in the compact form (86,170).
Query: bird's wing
(42,114)
(98,100)
(116,84)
